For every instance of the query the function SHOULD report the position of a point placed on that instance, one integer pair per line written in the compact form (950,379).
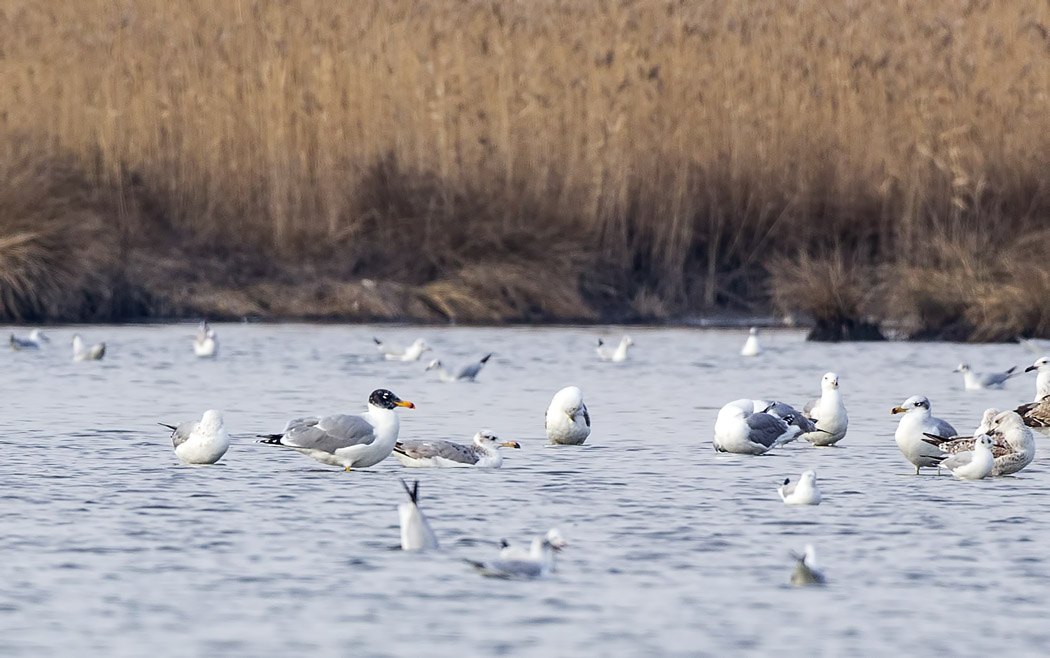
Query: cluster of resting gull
(1001,444)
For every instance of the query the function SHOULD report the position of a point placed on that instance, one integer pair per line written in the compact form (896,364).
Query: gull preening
(510,552)
(416,533)
(566,419)
(803,492)
(751,346)
(465,374)
(33,342)
(1042,380)
(807,572)
(975,381)
(206,343)
(202,441)
(82,352)
(412,353)
(483,452)
(537,564)
(619,354)
(828,413)
(741,429)
(348,441)
(1013,446)
(975,464)
(912,429)
(1036,415)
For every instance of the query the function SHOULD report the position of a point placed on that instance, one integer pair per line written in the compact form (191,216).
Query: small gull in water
(82,352)
(416,533)
(483,452)
(202,441)
(566,419)
(807,572)
(912,429)
(33,342)
(1036,415)
(975,381)
(465,374)
(1013,445)
(742,430)
(828,413)
(1042,380)
(751,346)
(804,492)
(414,351)
(538,564)
(206,343)
(510,552)
(618,354)
(973,464)
(348,441)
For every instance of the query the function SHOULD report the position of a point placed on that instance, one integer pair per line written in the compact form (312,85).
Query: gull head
(918,403)
(985,441)
(433,364)
(808,478)
(753,331)
(554,538)
(1039,365)
(569,400)
(211,421)
(38,335)
(962,367)
(626,340)
(418,344)
(829,381)
(488,439)
(384,399)
(1006,420)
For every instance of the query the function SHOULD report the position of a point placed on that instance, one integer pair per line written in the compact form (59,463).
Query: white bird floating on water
(751,346)
(807,572)
(466,373)
(566,419)
(804,492)
(741,429)
(416,533)
(975,464)
(617,355)
(348,441)
(1013,445)
(509,552)
(538,564)
(975,381)
(1042,380)
(33,342)
(828,413)
(429,453)
(912,429)
(200,442)
(206,342)
(82,352)
(414,351)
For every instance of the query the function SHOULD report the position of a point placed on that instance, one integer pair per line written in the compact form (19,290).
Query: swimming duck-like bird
(466,374)
(348,441)
(33,342)
(509,552)
(202,441)
(975,381)
(538,564)
(912,429)
(483,452)
(804,492)
(390,353)
(566,419)
(617,355)
(82,352)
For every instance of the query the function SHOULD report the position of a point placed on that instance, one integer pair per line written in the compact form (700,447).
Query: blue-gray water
(109,547)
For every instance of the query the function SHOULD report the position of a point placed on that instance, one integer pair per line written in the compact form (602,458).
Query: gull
(805,492)
(617,355)
(975,381)
(509,552)
(83,353)
(33,342)
(566,419)
(207,342)
(1042,380)
(538,564)
(787,413)
(465,374)
(416,534)
(828,413)
(912,429)
(742,430)
(751,346)
(806,570)
(973,464)
(427,453)
(202,441)
(346,440)
(1013,445)
(1036,415)
(414,351)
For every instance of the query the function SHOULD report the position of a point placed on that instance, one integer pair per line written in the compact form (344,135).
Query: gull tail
(399,448)
(485,358)
(270,439)
(412,492)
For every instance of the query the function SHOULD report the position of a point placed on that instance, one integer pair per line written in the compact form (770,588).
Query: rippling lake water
(108,546)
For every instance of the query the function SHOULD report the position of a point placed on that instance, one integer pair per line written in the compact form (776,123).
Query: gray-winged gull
(803,492)
(82,352)
(619,354)
(483,452)
(828,413)
(412,353)
(33,342)
(566,419)
(975,381)
(742,430)
(206,342)
(202,441)
(912,429)
(466,374)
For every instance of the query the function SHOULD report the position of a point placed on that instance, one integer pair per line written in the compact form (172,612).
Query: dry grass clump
(834,291)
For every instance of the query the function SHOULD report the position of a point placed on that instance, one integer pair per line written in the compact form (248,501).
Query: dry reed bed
(656,155)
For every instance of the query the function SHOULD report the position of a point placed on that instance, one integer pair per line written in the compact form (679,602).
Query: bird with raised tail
(538,564)
(566,419)
(82,352)
(416,533)
(912,429)
(344,440)
(411,353)
(206,343)
(466,374)
(483,452)
(975,381)
(807,571)
(828,413)
(751,346)
(616,355)
(35,340)
(973,464)
(202,441)
(803,492)
(740,429)
(510,552)
(1042,379)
